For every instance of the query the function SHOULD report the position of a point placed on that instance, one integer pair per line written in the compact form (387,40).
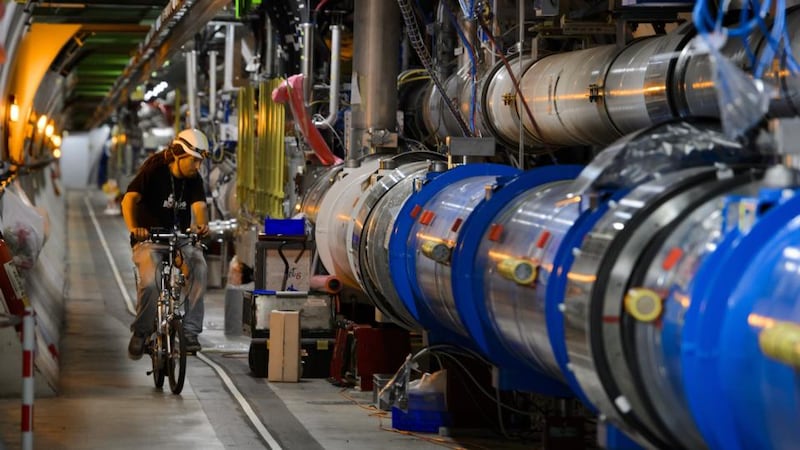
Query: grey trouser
(147,256)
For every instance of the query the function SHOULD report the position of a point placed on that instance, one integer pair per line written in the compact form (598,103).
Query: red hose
(291,91)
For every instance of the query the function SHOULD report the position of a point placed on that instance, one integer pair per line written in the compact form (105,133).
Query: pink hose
(291,90)
(329,284)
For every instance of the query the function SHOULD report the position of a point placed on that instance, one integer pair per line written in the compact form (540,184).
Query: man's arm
(200,217)
(129,205)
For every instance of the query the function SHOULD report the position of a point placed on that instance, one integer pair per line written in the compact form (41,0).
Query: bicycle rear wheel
(158,352)
(176,360)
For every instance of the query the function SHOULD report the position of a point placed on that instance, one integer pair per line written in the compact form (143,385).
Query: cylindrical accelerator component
(516,259)
(374,250)
(434,235)
(594,96)
(335,216)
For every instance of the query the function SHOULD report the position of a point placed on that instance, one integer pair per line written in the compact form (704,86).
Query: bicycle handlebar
(158,234)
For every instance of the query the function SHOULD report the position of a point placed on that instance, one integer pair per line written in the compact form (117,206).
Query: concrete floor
(108,401)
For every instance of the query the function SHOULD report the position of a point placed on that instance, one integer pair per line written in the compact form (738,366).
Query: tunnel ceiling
(117,47)
(97,55)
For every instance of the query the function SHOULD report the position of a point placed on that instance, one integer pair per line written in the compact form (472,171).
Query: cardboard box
(284,346)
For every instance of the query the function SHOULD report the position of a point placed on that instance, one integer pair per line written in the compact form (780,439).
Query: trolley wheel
(176,360)
(157,352)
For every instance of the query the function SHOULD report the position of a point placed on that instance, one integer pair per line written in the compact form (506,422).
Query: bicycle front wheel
(158,352)
(176,360)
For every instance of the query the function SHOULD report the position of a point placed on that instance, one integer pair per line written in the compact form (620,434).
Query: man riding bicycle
(168,192)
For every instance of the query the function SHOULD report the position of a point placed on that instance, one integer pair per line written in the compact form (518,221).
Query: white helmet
(193,141)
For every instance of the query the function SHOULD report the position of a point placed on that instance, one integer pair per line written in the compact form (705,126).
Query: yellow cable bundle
(244,153)
(275,155)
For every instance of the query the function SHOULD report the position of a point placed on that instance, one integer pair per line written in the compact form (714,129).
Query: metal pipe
(333,93)
(191,87)
(307,63)
(375,68)
(227,78)
(212,85)
(269,63)
(594,96)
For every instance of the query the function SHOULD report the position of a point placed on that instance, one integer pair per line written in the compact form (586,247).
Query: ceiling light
(41,123)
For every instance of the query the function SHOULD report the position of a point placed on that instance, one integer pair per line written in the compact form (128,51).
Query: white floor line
(128,301)
(262,430)
(248,410)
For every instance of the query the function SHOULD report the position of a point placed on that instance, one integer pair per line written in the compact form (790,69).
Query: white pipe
(191,87)
(227,77)
(212,85)
(333,100)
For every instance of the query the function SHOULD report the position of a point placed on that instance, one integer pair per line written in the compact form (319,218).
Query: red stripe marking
(53,350)
(27,364)
(672,258)
(495,232)
(415,211)
(543,238)
(27,418)
(456,225)
(610,319)
(427,217)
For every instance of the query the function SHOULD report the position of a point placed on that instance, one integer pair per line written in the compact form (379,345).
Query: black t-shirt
(165,200)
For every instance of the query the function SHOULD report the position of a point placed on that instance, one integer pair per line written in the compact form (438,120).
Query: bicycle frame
(172,282)
(169,324)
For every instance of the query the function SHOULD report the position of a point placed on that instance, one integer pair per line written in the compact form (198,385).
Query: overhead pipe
(227,75)
(191,87)
(212,84)
(307,63)
(376,64)
(333,92)
(269,63)
(595,96)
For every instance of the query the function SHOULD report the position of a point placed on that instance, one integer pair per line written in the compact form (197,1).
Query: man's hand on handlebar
(202,230)
(140,234)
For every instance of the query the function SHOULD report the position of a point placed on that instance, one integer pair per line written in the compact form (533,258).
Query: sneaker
(136,347)
(192,344)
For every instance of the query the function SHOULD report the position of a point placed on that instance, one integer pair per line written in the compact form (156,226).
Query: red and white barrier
(28,346)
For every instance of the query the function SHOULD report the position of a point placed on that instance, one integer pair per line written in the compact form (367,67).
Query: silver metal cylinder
(594,96)
(375,68)
(564,95)
(499,102)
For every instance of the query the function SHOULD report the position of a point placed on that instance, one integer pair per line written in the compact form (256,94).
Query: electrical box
(283,264)
(315,310)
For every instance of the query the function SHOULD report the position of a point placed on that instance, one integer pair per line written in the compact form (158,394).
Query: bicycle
(167,344)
